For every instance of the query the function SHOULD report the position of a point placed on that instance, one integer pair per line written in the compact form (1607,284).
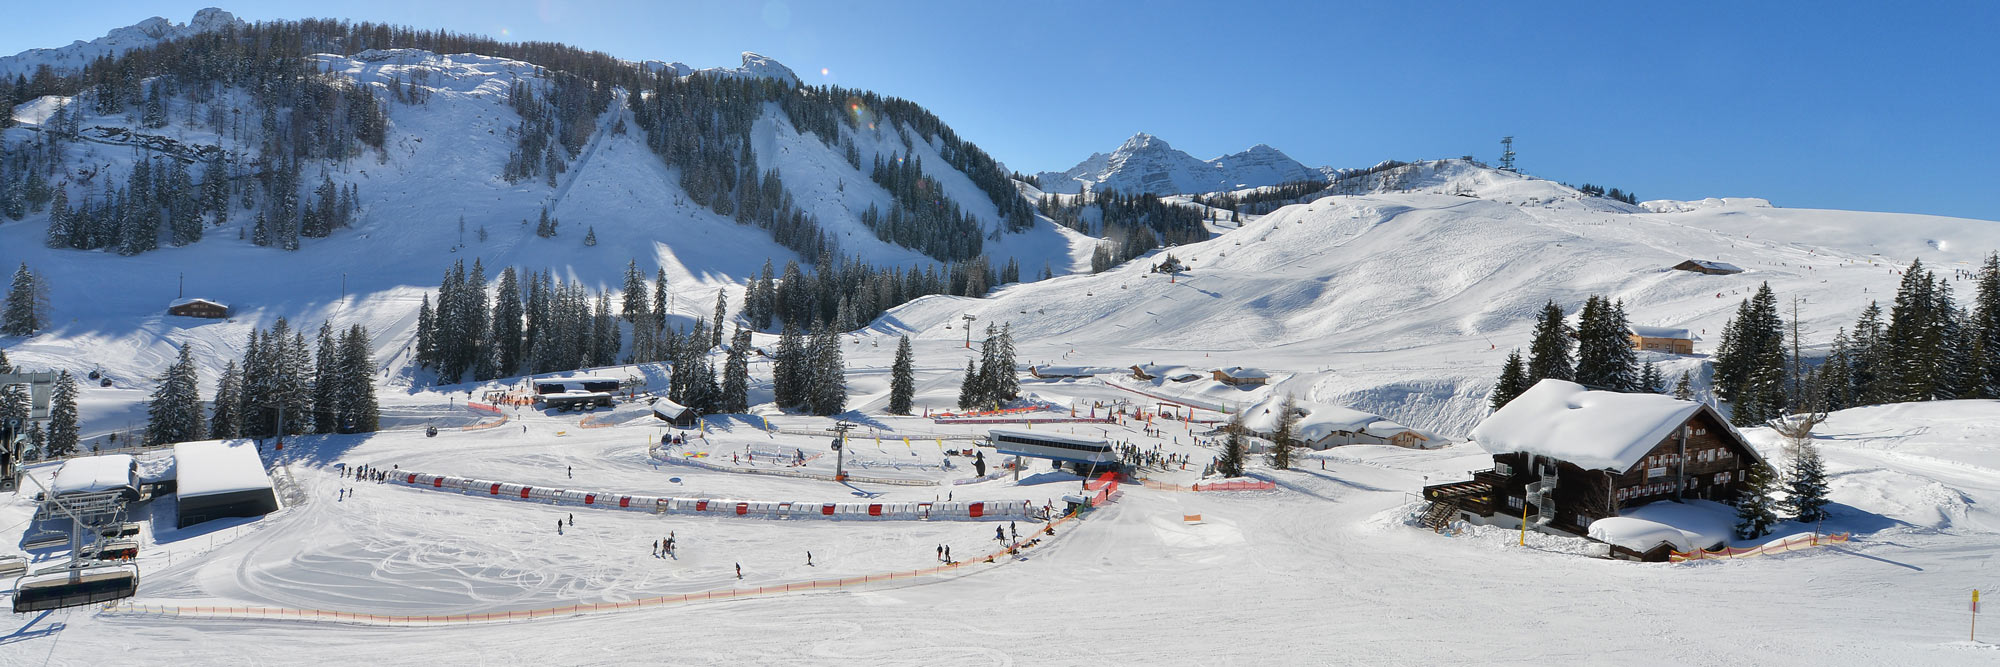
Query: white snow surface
(1638,534)
(210,467)
(91,474)
(1594,430)
(145,33)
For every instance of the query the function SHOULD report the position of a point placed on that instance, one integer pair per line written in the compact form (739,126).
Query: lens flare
(823,72)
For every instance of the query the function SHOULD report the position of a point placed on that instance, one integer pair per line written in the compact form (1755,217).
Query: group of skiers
(366,472)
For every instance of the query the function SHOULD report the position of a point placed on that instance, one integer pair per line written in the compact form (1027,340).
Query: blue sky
(1867,106)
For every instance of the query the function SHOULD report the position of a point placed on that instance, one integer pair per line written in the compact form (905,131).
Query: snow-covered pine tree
(13,397)
(1604,357)
(1548,353)
(326,355)
(590,236)
(1230,463)
(1650,380)
(1684,389)
(426,335)
(634,296)
(20,316)
(1912,340)
(358,411)
(62,434)
(902,380)
(736,373)
(1003,381)
(226,420)
(829,373)
(1756,511)
(174,415)
(721,315)
(1805,484)
(1864,369)
(787,368)
(1284,433)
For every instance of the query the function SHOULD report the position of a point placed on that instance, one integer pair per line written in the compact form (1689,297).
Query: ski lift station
(1085,454)
(220,479)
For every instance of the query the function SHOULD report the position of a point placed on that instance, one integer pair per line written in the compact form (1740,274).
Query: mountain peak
(1146,163)
(116,42)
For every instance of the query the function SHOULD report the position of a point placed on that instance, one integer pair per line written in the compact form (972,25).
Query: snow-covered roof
(1661,332)
(1167,371)
(1068,371)
(1318,422)
(1638,534)
(210,467)
(182,302)
(669,409)
(1717,266)
(91,474)
(1242,373)
(1596,430)
(579,380)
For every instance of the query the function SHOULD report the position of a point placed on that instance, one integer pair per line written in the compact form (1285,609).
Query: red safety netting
(1790,544)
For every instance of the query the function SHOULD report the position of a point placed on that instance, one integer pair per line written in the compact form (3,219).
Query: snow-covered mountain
(1145,163)
(754,65)
(138,35)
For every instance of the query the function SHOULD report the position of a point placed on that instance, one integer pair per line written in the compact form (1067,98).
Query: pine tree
(736,373)
(634,304)
(21,315)
(829,374)
(1866,358)
(326,355)
(13,397)
(1605,358)
(902,380)
(787,368)
(1548,354)
(1650,380)
(1512,383)
(971,391)
(1985,329)
(506,334)
(721,313)
(590,236)
(1756,512)
(1284,433)
(1912,341)
(1805,486)
(1230,463)
(356,407)
(175,412)
(1684,389)
(62,434)
(227,418)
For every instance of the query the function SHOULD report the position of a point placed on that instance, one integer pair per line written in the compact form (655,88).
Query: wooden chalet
(1564,456)
(198,308)
(1661,339)
(1706,267)
(1238,376)
(675,413)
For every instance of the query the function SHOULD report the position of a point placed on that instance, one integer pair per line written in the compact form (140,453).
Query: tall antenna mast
(1507,154)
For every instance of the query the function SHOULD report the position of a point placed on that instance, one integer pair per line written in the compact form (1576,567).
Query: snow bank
(1704,523)
(91,474)
(213,467)
(1597,430)
(1638,534)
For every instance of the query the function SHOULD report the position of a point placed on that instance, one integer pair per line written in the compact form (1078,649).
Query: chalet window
(1514,502)
(1701,431)
(1739,475)
(1582,521)
(1656,472)
(1622,493)
(1503,469)
(1722,478)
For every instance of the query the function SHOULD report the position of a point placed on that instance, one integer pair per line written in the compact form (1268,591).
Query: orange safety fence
(485,425)
(364,618)
(1235,486)
(1790,544)
(481,407)
(591,421)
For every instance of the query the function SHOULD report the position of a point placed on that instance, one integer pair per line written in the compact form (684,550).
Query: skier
(999,534)
(570,471)
(940,553)
(739,570)
(947,553)
(656,548)
(1011,530)
(559,526)
(572,518)
(809,559)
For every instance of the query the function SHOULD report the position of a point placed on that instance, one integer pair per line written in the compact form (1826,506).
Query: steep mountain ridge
(118,41)
(1146,163)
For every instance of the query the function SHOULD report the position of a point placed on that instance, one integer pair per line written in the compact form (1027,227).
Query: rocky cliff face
(138,35)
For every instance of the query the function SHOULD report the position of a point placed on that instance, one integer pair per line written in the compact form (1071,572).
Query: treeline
(1613,193)
(993,382)
(1262,200)
(922,217)
(1130,225)
(1928,348)
(560,116)
(281,387)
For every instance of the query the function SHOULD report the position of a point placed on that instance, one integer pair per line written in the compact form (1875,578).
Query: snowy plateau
(1396,302)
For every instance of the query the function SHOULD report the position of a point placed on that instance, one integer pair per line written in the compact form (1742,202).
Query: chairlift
(80,582)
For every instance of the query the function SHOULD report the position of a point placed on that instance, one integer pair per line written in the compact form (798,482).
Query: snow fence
(1793,543)
(985,510)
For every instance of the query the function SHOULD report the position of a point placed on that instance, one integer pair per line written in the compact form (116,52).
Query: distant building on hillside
(1172,373)
(1661,339)
(1708,267)
(675,413)
(1565,456)
(1047,372)
(198,308)
(1238,376)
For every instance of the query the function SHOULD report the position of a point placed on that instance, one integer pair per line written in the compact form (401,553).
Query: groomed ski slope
(1406,304)
(1323,570)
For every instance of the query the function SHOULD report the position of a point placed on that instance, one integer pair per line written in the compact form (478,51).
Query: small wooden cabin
(198,308)
(675,413)
(1661,339)
(1238,376)
(1706,267)
(1565,456)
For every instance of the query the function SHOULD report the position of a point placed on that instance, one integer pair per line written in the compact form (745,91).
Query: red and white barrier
(985,510)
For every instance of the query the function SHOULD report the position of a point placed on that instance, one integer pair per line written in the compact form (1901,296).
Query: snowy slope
(441,164)
(139,35)
(1145,163)
(1405,304)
